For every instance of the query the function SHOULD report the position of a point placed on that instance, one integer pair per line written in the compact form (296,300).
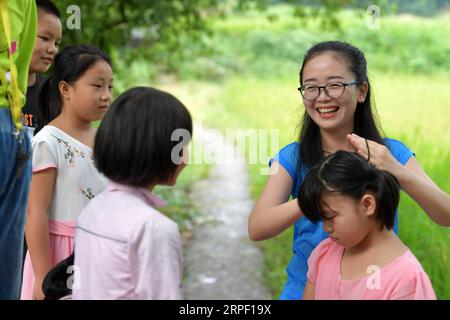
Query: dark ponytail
(70,64)
(349,174)
(48,103)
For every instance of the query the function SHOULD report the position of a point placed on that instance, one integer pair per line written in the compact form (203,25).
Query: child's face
(325,68)
(47,42)
(351,220)
(90,96)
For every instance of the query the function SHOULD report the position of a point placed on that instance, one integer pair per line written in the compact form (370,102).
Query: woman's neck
(336,140)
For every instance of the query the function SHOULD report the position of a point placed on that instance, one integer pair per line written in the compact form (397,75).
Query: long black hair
(366,123)
(349,174)
(70,64)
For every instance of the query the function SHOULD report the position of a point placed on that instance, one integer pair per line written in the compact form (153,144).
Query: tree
(111,23)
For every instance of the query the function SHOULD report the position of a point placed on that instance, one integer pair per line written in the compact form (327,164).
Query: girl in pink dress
(64,176)
(362,258)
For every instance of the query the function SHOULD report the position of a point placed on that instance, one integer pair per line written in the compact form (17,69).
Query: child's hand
(377,154)
(38,294)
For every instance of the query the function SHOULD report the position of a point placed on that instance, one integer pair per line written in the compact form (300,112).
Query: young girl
(362,258)
(46,47)
(337,97)
(64,176)
(124,247)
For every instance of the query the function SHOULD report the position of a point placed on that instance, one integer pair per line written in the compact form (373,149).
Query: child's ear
(368,204)
(362,91)
(64,89)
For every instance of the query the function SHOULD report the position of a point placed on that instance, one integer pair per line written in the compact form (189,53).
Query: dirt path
(221,262)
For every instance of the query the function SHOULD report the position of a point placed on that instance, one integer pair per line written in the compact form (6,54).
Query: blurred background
(235,64)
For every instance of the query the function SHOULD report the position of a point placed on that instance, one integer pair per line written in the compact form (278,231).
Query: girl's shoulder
(325,246)
(60,139)
(46,139)
(325,256)
(408,279)
(328,249)
(50,135)
(43,134)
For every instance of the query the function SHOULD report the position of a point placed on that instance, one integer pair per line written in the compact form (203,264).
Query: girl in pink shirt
(124,247)
(362,258)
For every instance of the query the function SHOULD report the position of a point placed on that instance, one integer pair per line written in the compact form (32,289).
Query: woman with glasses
(338,115)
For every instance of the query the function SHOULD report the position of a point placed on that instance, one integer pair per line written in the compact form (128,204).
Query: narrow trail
(221,261)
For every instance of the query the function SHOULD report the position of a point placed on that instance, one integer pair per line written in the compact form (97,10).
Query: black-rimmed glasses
(332,89)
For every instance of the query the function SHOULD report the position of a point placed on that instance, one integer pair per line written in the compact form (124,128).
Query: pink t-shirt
(402,279)
(126,249)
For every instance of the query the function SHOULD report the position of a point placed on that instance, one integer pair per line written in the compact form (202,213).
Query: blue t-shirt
(306,234)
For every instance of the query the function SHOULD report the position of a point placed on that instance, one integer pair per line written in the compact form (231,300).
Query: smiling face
(89,97)
(47,42)
(332,114)
(349,221)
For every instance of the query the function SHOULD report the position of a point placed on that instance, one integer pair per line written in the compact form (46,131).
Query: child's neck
(372,240)
(75,127)
(333,141)
(377,241)
(379,248)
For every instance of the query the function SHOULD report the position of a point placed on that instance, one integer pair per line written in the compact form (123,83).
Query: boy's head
(350,195)
(48,36)
(143,138)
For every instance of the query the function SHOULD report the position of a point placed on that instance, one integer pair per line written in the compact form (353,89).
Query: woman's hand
(413,180)
(377,154)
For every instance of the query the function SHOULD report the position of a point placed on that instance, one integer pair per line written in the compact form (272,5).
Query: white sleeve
(156,260)
(44,155)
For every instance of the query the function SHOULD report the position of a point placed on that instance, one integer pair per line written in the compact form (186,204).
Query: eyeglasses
(332,89)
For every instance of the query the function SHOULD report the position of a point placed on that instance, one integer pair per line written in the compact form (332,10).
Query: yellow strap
(13,92)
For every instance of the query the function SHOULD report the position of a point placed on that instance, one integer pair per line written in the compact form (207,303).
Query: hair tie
(368,150)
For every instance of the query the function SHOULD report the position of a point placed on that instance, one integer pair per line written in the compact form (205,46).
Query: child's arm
(273,213)
(309,292)
(37,234)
